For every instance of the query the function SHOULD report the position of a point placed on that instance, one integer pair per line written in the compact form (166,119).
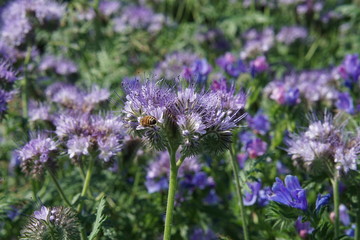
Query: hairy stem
(86,183)
(239,193)
(335,183)
(171,194)
(58,187)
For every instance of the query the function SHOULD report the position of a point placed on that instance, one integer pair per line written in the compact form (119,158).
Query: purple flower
(290,194)
(139,17)
(212,198)
(251,197)
(325,140)
(257,42)
(60,65)
(289,35)
(36,155)
(78,145)
(16,22)
(219,85)
(153,185)
(108,8)
(263,199)
(200,234)
(256,148)
(351,231)
(7,74)
(39,111)
(345,103)
(198,72)
(174,64)
(196,115)
(344,215)
(42,214)
(242,157)
(259,65)
(303,228)
(231,66)
(322,200)
(259,123)
(350,69)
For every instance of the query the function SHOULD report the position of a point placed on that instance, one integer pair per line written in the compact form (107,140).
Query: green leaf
(100,218)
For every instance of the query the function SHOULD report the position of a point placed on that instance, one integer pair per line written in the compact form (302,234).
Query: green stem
(58,187)
(335,184)
(86,183)
(34,189)
(234,165)
(171,194)
(357,230)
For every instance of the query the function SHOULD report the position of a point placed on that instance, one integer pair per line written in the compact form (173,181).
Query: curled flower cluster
(47,223)
(16,17)
(184,117)
(7,79)
(37,155)
(139,17)
(326,143)
(191,178)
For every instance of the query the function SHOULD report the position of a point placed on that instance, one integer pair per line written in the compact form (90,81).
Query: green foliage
(100,218)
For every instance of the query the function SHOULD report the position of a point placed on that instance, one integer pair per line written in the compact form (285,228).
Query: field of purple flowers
(166,119)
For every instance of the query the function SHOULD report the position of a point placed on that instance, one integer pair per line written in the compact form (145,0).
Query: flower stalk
(238,191)
(335,183)
(86,183)
(58,187)
(171,193)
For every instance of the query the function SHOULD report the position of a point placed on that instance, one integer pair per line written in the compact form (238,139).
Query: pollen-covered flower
(49,222)
(290,194)
(36,155)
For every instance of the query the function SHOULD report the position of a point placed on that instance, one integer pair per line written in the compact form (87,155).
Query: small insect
(148,121)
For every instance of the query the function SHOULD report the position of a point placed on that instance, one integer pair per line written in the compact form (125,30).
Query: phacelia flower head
(289,35)
(71,97)
(8,76)
(190,174)
(60,221)
(39,111)
(290,194)
(139,17)
(257,42)
(185,116)
(16,20)
(59,65)
(36,155)
(108,8)
(83,133)
(175,63)
(325,144)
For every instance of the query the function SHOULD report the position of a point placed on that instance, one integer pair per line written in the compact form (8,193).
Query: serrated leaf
(100,218)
